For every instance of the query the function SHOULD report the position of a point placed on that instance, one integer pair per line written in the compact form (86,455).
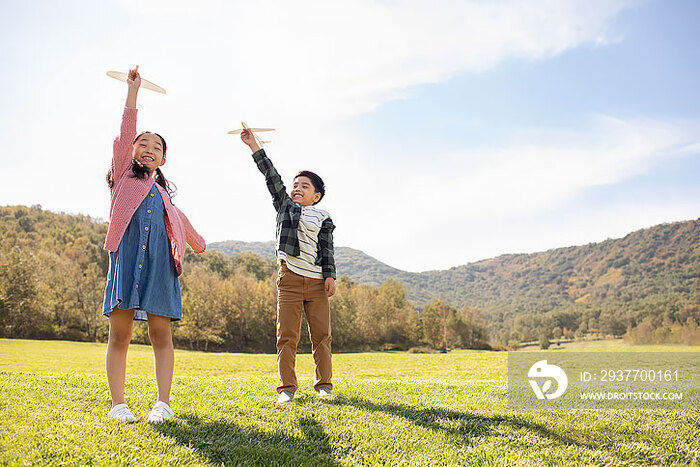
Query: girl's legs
(120,326)
(162,342)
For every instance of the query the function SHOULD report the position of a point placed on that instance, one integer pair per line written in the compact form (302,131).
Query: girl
(146,239)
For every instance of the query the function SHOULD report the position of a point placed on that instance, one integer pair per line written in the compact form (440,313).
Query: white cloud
(333,59)
(445,206)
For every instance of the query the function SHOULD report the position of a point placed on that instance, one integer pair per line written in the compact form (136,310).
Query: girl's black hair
(139,171)
(316,181)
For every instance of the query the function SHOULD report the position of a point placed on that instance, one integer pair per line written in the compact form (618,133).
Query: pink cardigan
(128,192)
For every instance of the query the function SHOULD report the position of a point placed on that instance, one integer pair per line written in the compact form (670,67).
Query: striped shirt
(288,216)
(309,227)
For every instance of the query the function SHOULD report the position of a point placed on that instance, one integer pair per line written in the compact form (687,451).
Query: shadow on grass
(225,442)
(463,425)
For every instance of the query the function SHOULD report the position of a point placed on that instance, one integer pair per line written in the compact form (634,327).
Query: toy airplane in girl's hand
(144,82)
(253,130)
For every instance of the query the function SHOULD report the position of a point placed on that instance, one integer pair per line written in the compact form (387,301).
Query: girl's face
(148,151)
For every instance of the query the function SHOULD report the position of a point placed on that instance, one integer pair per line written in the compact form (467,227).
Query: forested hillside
(650,275)
(645,286)
(52,280)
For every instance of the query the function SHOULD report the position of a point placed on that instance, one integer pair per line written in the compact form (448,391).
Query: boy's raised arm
(274,182)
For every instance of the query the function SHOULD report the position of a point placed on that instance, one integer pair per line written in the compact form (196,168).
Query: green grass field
(392,409)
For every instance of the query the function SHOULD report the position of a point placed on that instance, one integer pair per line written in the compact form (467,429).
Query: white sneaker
(325,392)
(161,411)
(285,397)
(122,413)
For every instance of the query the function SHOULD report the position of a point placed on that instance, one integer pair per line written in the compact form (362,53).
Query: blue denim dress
(142,272)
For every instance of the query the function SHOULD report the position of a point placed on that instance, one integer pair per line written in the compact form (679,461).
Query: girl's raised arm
(122,150)
(133,81)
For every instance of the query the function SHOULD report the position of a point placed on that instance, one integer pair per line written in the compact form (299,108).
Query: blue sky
(446,133)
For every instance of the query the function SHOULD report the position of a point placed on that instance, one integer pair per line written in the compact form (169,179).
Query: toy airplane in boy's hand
(144,82)
(253,130)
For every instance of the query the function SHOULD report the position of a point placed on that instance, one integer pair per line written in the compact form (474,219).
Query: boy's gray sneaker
(325,392)
(285,397)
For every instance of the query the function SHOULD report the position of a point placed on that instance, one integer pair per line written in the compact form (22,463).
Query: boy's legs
(318,315)
(289,305)
(121,323)
(162,342)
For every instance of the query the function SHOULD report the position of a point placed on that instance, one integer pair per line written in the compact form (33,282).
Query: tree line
(597,290)
(53,272)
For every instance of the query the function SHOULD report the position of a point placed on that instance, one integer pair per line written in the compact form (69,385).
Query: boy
(306,272)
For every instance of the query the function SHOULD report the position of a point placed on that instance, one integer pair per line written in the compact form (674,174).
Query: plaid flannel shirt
(288,215)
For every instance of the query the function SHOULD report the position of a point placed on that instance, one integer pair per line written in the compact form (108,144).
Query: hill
(650,272)
(647,284)
(648,259)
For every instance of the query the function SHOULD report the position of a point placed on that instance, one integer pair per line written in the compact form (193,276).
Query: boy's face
(303,191)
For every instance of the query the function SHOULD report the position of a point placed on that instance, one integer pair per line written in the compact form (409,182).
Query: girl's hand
(134,79)
(330,286)
(248,138)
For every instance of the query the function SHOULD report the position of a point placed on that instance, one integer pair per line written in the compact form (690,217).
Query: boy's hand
(330,286)
(248,138)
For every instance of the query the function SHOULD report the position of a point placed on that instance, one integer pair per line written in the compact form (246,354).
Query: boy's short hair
(316,181)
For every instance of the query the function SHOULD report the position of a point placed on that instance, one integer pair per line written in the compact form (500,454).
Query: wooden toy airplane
(144,82)
(253,130)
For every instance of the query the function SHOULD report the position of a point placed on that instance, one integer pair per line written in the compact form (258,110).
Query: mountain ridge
(653,271)
(347,256)
(648,279)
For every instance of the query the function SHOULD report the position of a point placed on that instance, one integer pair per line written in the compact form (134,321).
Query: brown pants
(293,293)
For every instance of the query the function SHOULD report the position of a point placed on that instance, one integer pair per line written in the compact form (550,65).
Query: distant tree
(392,311)
(413,327)
(471,329)
(343,315)
(18,295)
(84,289)
(691,333)
(557,333)
(203,320)
(436,318)
(365,300)
(89,287)
(611,324)
(255,265)
(250,313)
(219,263)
